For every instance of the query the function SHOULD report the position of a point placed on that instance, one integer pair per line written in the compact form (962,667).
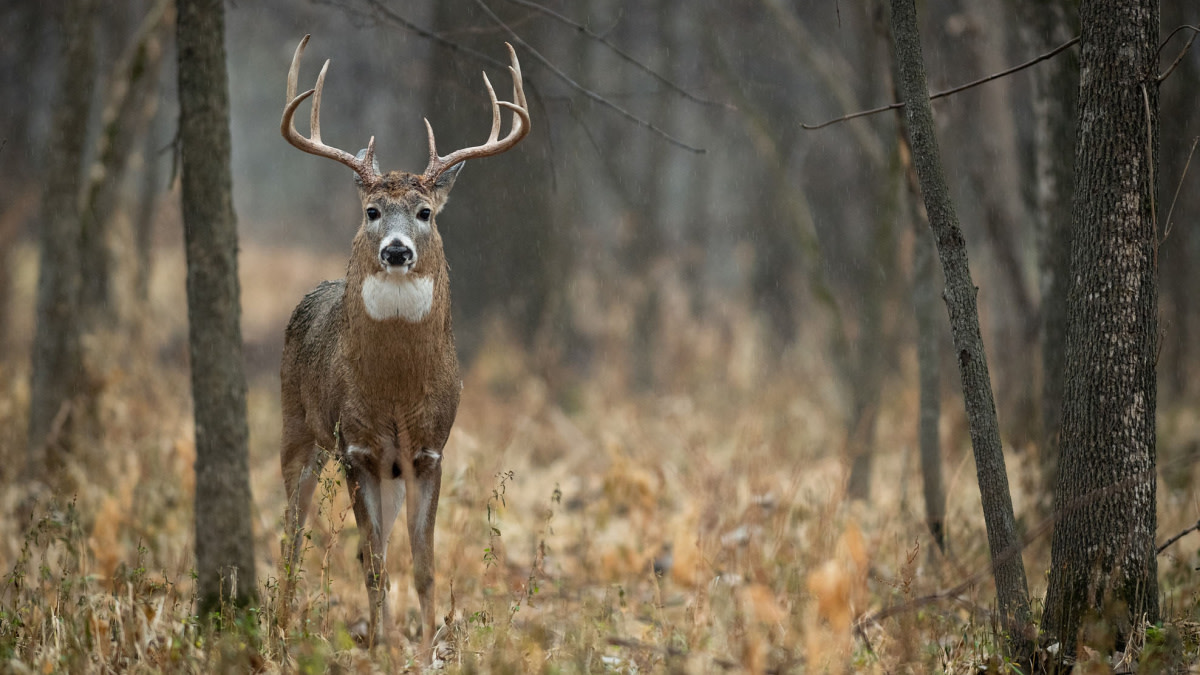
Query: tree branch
(385,13)
(580,88)
(381,12)
(954,90)
(1178,187)
(625,56)
(1182,52)
(1166,544)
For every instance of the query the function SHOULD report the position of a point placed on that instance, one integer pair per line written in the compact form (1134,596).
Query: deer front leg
(362,478)
(422,514)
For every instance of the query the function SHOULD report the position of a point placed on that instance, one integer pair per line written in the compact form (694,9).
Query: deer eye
(424,213)
(373,213)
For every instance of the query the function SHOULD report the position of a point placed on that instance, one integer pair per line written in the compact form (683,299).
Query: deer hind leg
(422,514)
(362,478)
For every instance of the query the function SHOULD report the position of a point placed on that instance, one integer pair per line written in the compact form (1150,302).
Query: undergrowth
(586,525)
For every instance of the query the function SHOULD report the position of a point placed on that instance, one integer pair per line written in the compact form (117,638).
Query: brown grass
(558,505)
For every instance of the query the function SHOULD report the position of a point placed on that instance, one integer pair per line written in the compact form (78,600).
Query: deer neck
(399,324)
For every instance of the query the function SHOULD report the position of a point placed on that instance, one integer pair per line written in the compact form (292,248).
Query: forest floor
(584,526)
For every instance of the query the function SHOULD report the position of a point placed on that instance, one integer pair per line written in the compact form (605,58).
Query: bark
(1003,543)
(1103,552)
(57,377)
(224,541)
(929,338)
(1056,89)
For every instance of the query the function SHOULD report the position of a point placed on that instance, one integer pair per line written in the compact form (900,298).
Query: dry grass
(699,528)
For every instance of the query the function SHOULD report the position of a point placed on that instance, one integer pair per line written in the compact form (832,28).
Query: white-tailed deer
(369,373)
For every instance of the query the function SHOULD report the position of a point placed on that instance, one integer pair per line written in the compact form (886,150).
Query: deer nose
(397,255)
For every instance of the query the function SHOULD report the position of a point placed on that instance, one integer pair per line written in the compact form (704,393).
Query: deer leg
(300,488)
(300,480)
(422,513)
(362,478)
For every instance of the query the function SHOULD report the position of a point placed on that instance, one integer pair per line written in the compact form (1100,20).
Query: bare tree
(1056,88)
(1180,250)
(57,376)
(1003,543)
(1103,551)
(126,115)
(224,541)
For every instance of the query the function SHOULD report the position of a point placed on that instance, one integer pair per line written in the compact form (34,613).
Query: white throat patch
(404,297)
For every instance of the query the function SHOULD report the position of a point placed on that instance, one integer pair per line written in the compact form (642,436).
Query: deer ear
(443,183)
(374,166)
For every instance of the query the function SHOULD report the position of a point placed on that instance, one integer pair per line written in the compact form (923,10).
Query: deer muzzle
(397,255)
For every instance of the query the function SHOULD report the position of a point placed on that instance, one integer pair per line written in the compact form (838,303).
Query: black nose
(396,255)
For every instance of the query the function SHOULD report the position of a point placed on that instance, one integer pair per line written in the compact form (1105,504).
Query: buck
(369,371)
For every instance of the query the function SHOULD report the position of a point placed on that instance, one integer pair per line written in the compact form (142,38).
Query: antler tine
(294,71)
(495,110)
(518,81)
(365,167)
(314,119)
(494,145)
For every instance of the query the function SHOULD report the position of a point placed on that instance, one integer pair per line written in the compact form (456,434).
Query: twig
(1188,163)
(1036,533)
(383,12)
(1166,544)
(584,90)
(954,90)
(620,52)
(386,13)
(1182,52)
(1150,164)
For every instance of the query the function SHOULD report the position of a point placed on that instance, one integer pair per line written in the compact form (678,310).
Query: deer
(369,373)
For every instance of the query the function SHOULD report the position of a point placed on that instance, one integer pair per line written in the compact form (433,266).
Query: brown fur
(387,386)
(379,392)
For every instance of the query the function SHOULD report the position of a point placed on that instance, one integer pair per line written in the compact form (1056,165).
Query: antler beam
(494,145)
(364,167)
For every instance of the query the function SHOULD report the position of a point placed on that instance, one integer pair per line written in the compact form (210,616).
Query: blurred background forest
(668,282)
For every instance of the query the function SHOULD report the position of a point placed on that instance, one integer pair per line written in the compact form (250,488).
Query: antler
(364,167)
(520,126)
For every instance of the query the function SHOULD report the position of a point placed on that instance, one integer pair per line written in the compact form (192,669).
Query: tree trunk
(57,378)
(20,179)
(1103,552)
(124,120)
(929,358)
(1180,118)
(224,541)
(994,173)
(1003,543)
(1056,91)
